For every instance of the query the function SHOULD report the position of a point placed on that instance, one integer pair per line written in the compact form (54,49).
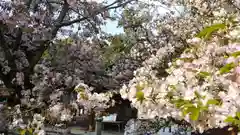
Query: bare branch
(60,18)
(232,3)
(63,12)
(106,8)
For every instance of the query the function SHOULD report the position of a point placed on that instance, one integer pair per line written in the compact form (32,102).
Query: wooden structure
(112,119)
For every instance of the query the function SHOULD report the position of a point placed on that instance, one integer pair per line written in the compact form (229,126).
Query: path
(78,131)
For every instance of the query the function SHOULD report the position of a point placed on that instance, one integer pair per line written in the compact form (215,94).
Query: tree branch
(232,3)
(60,18)
(105,8)
(63,12)
(34,57)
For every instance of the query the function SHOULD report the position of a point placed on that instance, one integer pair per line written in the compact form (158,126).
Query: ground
(77,131)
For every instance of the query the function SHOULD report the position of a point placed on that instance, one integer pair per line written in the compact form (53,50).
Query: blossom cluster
(33,126)
(202,86)
(59,113)
(92,100)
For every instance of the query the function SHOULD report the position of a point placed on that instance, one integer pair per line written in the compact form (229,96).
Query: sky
(111,27)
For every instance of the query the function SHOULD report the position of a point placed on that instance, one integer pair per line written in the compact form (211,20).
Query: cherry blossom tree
(193,77)
(28,28)
(30,33)
(182,65)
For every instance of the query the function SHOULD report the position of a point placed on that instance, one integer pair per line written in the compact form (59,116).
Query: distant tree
(37,50)
(29,28)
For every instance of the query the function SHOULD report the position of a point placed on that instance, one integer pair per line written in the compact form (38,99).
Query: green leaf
(225,56)
(140,96)
(229,119)
(185,112)
(83,96)
(187,50)
(236,54)
(194,113)
(200,104)
(213,102)
(204,74)
(170,95)
(204,108)
(179,105)
(23,132)
(188,105)
(227,68)
(236,122)
(198,95)
(238,115)
(139,87)
(180,102)
(207,32)
(30,130)
(173,87)
(79,89)
(45,54)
